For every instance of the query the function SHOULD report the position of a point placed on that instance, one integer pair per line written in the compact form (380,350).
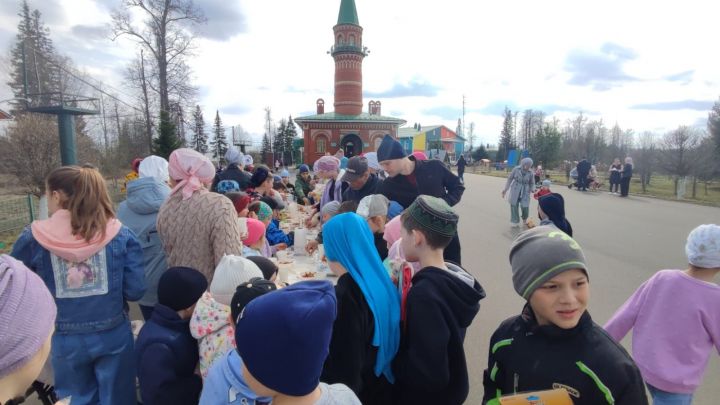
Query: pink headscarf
(419,155)
(327,164)
(191,170)
(392,230)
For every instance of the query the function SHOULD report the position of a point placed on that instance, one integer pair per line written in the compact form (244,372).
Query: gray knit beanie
(541,253)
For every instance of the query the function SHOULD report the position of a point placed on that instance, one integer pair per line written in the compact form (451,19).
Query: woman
(521,183)
(93,265)
(139,212)
(625,177)
(197,227)
(262,184)
(615,170)
(366,332)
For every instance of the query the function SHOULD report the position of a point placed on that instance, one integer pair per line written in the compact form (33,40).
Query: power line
(49,60)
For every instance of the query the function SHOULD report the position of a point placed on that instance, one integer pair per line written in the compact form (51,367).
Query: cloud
(683,77)
(224,19)
(701,123)
(444,112)
(497,107)
(698,105)
(236,109)
(601,69)
(91,32)
(51,11)
(413,89)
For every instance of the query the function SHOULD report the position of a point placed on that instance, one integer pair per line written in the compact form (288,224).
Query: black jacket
(461,163)
(232,172)
(381,245)
(626,171)
(433,178)
(430,367)
(584,360)
(352,356)
(167,355)
(371,187)
(583,168)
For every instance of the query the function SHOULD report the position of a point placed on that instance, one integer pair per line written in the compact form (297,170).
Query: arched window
(351,40)
(320,144)
(340,40)
(377,142)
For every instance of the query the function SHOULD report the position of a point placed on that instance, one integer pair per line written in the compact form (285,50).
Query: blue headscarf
(348,240)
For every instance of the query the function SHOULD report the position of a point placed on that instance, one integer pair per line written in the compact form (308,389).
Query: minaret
(348,53)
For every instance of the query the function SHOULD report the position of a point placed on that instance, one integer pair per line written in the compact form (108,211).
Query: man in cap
(234,171)
(362,182)
(408,178)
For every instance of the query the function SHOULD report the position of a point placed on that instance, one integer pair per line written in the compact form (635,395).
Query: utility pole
(148,124)
(104,124)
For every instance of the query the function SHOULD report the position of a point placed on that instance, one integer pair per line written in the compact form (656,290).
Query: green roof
(348,13)
(333,116)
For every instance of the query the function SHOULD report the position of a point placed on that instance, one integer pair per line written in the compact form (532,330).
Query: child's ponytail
(87,199)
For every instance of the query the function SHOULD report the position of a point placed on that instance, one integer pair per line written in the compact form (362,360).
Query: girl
(92,348)
(520,183)
(366,333)
(615,170)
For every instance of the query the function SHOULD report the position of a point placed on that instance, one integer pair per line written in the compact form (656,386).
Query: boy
(544,189)
(374,208)
(166,352)
(303,186)
(674,320)
(283,340)
(554,343)
(430,367)
(225,383)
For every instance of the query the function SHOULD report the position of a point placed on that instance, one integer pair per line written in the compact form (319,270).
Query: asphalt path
(625,241)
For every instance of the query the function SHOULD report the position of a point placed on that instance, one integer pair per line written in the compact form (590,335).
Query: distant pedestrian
(615,170)
(461,163)
(625,177)
(520,183)
(583,170)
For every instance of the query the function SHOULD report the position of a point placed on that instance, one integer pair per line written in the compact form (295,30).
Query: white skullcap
(154,166)
(703,246)
(248,160)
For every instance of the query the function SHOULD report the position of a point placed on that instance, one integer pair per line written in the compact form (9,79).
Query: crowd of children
(221,329)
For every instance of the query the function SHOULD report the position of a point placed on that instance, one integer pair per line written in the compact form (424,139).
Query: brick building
(348,128)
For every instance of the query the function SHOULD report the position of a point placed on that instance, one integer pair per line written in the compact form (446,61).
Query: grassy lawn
(660,187)
(7,239)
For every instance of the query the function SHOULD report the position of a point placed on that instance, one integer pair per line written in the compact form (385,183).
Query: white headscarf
(154,166)
(703,246)
(372,160)
(248,160)
(234,156)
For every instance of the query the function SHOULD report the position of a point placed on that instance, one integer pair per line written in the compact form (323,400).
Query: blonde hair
(85,196)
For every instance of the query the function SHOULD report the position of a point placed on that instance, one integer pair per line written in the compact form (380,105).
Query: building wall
(331,134)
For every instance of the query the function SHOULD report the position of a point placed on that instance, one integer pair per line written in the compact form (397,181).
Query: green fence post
(31,209)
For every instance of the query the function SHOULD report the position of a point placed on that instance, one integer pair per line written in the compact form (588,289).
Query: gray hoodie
(139,213)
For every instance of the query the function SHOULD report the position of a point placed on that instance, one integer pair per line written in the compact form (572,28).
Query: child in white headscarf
(675,321)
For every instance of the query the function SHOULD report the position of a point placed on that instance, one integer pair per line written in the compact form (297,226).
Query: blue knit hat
(553,205)
(181,287)
(283,336)
(303,169)
(390,149)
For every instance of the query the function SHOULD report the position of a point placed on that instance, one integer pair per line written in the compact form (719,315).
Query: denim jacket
(97,302)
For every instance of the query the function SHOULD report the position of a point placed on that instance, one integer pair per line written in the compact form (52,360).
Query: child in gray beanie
(554,342)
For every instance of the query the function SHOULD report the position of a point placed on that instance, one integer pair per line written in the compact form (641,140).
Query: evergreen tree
(290,135)
(167,141)
(506,142)
(278,143)
(480,153)
(266,147)
(219,143)
(33,39)
(545,145)
(714,124)
(199,137)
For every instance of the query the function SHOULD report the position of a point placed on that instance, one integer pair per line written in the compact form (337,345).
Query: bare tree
(676,156)
(166,33)
(645,158)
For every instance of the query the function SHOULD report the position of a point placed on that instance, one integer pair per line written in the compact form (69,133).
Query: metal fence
(16,212)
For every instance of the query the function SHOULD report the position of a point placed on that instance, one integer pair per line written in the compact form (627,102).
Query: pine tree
(199,137)
(279,140)
(506,135)
(219,144)
(714,124)
(266,147)
(42,76)
(290,135)
(167,141)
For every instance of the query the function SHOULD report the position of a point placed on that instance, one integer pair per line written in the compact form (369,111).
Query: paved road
(625,242)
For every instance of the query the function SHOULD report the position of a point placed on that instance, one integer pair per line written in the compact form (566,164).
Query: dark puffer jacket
(585,361)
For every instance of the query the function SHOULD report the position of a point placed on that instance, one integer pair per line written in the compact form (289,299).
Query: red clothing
(541,192)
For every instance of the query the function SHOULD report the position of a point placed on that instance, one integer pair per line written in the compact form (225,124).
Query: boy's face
(562,300)
(392,167)
(408,244)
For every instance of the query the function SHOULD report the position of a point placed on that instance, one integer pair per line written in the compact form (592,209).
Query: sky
(646,65)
